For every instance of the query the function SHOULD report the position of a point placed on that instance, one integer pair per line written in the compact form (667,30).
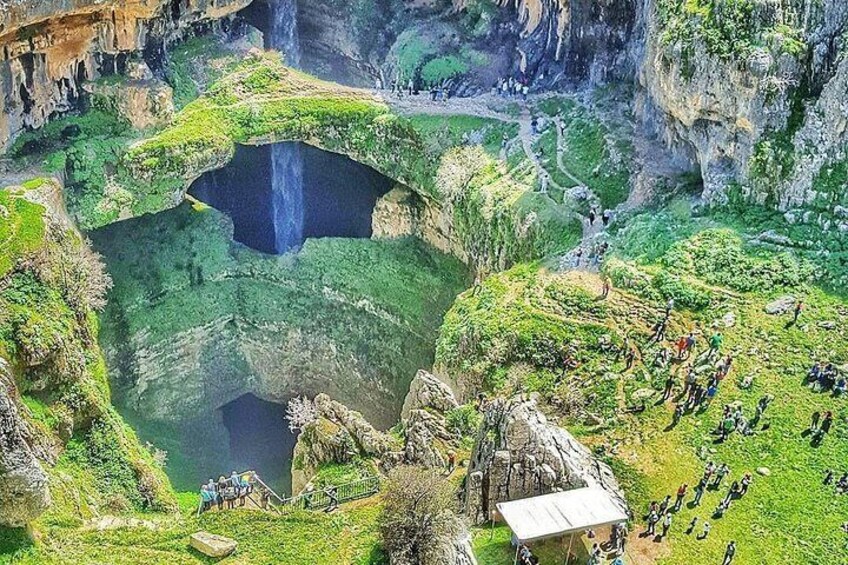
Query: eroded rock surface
(24,492)
(519,454)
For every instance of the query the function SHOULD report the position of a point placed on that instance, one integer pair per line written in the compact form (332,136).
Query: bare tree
(418,523)
(300,412)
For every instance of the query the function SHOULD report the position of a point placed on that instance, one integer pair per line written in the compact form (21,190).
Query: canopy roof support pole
(568,553)
(517,548)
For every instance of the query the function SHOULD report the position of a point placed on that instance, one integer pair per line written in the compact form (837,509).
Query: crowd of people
(226,491)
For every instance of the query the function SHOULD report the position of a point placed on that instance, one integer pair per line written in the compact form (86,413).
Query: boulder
(427,439)
(518,454)
(426,391)
(764,471)
(212,545)
(781,305)
(24,492)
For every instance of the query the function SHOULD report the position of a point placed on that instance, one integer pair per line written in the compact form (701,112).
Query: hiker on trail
(681,346)
(659,331)
(534,126)
(669,306)
(666,524)
(692,525)
(653,518)
(607,284)
(715,344)
(525,90)
(410,87)
(681,494)
(451,462)
(729,553)
(378,83)
(799,308)
(706,531)
(678,413)
(332,494)
(814,421)
(763,404)
(629,359)
(720,474)
(578,257)
(669,384)
(689,381)
(543,188)
(723,366)
(712,390)
(606,217)
(592,216)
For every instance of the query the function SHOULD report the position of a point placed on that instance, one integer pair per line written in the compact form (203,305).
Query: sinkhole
(282,194)
(260,440)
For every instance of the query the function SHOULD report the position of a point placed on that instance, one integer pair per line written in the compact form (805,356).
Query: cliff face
(49,48)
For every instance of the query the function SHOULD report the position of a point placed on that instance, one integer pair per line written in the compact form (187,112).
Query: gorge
(447,249)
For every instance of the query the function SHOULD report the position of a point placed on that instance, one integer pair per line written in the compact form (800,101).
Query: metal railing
(321,499)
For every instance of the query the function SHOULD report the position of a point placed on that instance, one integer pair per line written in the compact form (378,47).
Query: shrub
(418,524)
(463,420)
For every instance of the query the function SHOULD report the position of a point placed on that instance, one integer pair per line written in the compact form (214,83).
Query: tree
(418,523)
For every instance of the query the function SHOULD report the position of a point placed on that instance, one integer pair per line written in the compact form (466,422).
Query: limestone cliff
(519,454)
(23,483)
(51,48)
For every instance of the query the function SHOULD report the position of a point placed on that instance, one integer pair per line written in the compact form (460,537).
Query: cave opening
(260,440)
(282,194)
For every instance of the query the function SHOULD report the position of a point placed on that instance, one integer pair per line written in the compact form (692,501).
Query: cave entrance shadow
(259,440)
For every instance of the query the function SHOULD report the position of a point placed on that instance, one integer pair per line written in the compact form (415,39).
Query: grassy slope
(102,464)
(788,516)
(348,536)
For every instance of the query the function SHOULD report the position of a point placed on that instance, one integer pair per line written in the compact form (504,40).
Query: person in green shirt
(715,344)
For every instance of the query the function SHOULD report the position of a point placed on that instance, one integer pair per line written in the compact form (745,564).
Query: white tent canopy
(561,513)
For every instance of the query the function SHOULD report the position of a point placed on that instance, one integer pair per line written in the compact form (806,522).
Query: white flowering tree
(300,412)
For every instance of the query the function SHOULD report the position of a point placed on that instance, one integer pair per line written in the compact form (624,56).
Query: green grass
(348,536)
(22,229)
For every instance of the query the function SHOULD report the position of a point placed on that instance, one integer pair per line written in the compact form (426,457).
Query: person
(828,477)
(715,344)
(699,491)
(607,284)
(410,87)
(720,474)
(712,390)
(504,141)
(681,494)
(814,421)
(592,216)
(678,413)
(729,553)
(525,90)
(653,518)
(681,347)
(692,525)
(799,308)
(669,384)
(727,427)
(378,83)
(606,217)
(205,499)
(664,504)
(332,494)
(659,330)
(235,481)
(669,306)
(746,482)
(222,486)
(451,461)
(706,531)
(689,381)
(827,422)
(666,524)
(534,126)
(630,358)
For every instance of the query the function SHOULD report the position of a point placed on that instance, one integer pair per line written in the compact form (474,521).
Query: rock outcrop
(427,391)
(24,492)
(50,48)
(427,438)
(519,454)
(337,435)
(141,100)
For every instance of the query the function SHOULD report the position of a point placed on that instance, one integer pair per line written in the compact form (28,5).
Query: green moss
(21,231)
(729,29)
(443,68)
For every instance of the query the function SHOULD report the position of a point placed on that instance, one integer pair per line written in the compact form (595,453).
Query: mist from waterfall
(286,159)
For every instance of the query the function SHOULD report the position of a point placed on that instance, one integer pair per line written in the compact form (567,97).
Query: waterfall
(286,160)
(283,32)
(287,196)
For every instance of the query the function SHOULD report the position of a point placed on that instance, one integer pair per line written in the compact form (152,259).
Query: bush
(418,524)
(464,420)
(443,68)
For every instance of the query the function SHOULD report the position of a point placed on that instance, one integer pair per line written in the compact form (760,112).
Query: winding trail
(487,106)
